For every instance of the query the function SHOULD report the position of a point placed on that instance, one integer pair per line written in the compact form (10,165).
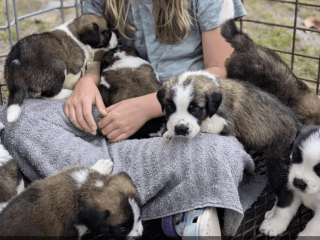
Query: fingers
(100,106)
(72,117)
(81,119)
(87,114)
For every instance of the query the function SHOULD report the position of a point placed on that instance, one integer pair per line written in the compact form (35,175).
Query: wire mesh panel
(264,23)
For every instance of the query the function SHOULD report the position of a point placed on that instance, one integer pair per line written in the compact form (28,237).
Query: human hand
(78,107)
(124,119)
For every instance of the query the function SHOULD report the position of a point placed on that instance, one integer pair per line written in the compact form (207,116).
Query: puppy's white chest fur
(215,124)
(311,201)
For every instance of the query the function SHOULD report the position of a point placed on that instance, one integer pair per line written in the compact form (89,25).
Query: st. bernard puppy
(73,201)
(304,185)
(124,75)
(200,101)
(266,70)
(42,64)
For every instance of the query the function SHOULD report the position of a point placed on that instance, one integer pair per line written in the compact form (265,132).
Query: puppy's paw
(270,213)
(273,226)
(103,166)
(167,135)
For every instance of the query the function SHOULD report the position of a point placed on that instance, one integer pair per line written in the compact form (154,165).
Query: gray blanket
(172,176)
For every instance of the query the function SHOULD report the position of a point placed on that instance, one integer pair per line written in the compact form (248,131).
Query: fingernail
(93,133)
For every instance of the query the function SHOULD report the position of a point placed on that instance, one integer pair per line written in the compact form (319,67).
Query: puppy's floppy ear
(92,218)
(160,95)
(213,102)
(91,38)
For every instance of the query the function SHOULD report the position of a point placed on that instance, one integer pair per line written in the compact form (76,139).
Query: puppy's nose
(299,183)
(181,130)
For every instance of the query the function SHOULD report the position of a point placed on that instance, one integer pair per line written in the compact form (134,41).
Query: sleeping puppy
(11,179)
(200,101)
(304,183)
(124,75)
(73,201)
(266,70)
(42,64)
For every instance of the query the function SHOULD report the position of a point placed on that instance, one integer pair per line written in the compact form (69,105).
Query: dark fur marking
(285,198)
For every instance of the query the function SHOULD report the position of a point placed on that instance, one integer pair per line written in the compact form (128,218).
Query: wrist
(151,106)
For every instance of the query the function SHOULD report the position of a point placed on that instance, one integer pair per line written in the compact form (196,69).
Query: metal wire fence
(254,216)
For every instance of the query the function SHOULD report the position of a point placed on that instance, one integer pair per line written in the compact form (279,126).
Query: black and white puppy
(125,75)
(42,64)
(74,200)
(200,101)
(304,183)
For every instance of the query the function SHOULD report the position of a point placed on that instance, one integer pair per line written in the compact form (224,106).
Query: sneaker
(198,223)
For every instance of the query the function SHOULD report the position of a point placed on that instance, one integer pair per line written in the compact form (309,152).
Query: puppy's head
(95,31)
(116,54)
(113,211)
(187,99)
(304,174)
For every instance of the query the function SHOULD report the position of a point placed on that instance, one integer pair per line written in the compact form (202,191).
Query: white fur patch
(63,94)
(103,166)
(227,11)
(137,228)
(310,149)
(4,156)
(2,206)
(99,184)
(81,229)
(20,187)
(104,82)
(80,176)
(16,61)
(71,80)
(13,112)
(278,220)
(215,124)
(126,62)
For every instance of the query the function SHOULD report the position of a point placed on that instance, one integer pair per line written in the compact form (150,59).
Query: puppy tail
(238,40)
(227,11)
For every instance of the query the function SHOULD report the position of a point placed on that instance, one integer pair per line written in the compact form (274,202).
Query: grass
(281,38)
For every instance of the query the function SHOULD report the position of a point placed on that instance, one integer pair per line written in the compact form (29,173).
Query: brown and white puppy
(124,75)
(73,201)
(11,180)
(266,70)
(42,64)
(200,101)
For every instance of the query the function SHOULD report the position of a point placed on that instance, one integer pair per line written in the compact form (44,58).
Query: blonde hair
(171,18)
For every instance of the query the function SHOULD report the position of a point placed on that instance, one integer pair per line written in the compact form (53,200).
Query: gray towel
(172,176)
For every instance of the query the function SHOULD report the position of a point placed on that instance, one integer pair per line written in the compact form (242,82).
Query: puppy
(124,75)
(11,179)
(266,70)
(74,200)
(42,64)
(304,183)
(200,101)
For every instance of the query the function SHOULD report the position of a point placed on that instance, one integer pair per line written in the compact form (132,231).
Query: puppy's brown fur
(233,108)
(266,70)
(10,178)
(42,64)
(55,205)
(125,75)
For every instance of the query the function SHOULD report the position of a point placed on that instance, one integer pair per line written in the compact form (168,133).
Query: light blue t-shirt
(169,60)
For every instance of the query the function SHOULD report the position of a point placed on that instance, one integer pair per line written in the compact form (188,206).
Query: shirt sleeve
(93,6)
(208,13)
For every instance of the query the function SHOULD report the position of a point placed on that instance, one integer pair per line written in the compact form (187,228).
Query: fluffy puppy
(304,183)
(200,101)
(42,64)
(266,70)
(11,180)
(74,200)
(124,75)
